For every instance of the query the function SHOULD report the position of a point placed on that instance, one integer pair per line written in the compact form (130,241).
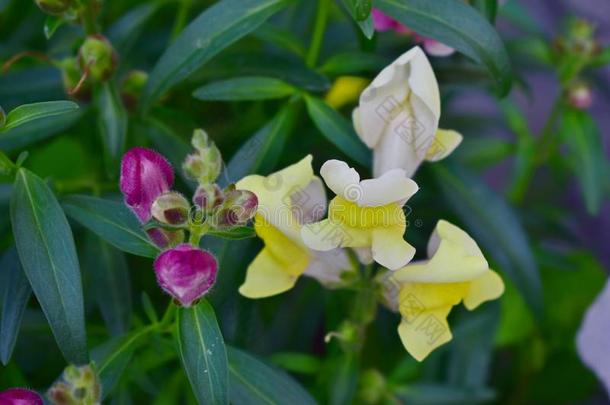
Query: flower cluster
(183,270)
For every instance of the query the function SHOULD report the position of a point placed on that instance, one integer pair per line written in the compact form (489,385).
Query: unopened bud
(171,208)
(54,7)
(204,165)
(98,56)
(77,386)
(208,197)
(372,388)
(580,96)
(238,208)
(133,84)
(71,75)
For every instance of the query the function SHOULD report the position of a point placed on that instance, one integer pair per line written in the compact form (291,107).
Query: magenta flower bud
(208,197)
(145,175)
(20,396)
(186,273)
(238,208)
(580,96)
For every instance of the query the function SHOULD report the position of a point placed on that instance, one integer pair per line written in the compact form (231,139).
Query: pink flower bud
(145,175)
(171,208)
(208,197)
(580,96)
(20,396)
(186,273)
(238,208)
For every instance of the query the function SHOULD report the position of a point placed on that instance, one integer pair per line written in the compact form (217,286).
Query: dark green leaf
(282,38)
(586,158)
(489,8)
(174,148)
(48,256)
(203,354)
(109,273)
(254,382)
(37,111)
(436,394)
(244,88)
(338,130)
(212,31)
(262,151)
(123,33)
(297,362)
(111,221)
(458,25)
(354,62)
(359,9)
(17,292)
(112,123)
(367,27)
(51,24)
(7,168)
(241,232)
(495,226)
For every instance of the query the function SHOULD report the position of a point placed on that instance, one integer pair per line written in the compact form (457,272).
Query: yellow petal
(293,257)
(266,276)
(487,287)
(445,141)
(390,249)
(327,235)
(425,333)
(345,90)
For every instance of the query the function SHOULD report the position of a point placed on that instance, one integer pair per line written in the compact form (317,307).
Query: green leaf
(367,27)
(244,88)
(297,362)
(349,63)
(459,26)
(586,155)
(241,232)
(7,168)
(337,130)
(112,124)
(48,256)
(174,148)
(262,151)
(37,111)
(203,354)
(17,293)
(109,273)
(111,221)
(437,394)
(51,24)
(124,31)
(254,382)
(489,8)
(281,38)
(359,9)
(495,226)
(212,31)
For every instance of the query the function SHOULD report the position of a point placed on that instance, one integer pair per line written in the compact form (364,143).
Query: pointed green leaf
(459,26)
(37,111)
(495,226)
(112,124)
(212,31)
(17,292)
(48,256)
(203,354)
(254,382)
(338,130)
(244,88)
(111,221)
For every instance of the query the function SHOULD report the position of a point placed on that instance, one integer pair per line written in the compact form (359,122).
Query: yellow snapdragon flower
(364,214)
(345,90)
(424,292)
(288,199)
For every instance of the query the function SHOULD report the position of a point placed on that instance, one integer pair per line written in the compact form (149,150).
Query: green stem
(197,232)
(87,15)
(318,33)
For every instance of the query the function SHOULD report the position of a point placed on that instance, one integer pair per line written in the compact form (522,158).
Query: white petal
(393,186)
(343,180)
(318,236)
(445,141)
(327,267)
(309,204)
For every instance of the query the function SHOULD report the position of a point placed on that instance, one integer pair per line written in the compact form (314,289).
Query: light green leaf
(244,88)
(17,293)
(203,353)
(48,256)
(459,26)
(253,382)
(495,226)
(37,111)
(338,130)
(111,221)
(212,31)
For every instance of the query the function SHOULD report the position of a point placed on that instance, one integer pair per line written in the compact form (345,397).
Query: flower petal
(425,333)
(309,204)
(487,287)
(393,186)
(445,141)
(343,180)
(266,276)
(327,267)
(390,249)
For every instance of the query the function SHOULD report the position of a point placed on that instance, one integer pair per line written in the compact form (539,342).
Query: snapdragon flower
(20,396)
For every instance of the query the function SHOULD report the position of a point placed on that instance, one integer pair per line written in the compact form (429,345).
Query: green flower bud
(77,386)
(98,55)
(204,165)
(132,87)
(171,208)
(71,75)
(54,7)
(372,387)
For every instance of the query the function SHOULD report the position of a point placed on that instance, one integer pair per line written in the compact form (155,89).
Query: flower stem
(318,33)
